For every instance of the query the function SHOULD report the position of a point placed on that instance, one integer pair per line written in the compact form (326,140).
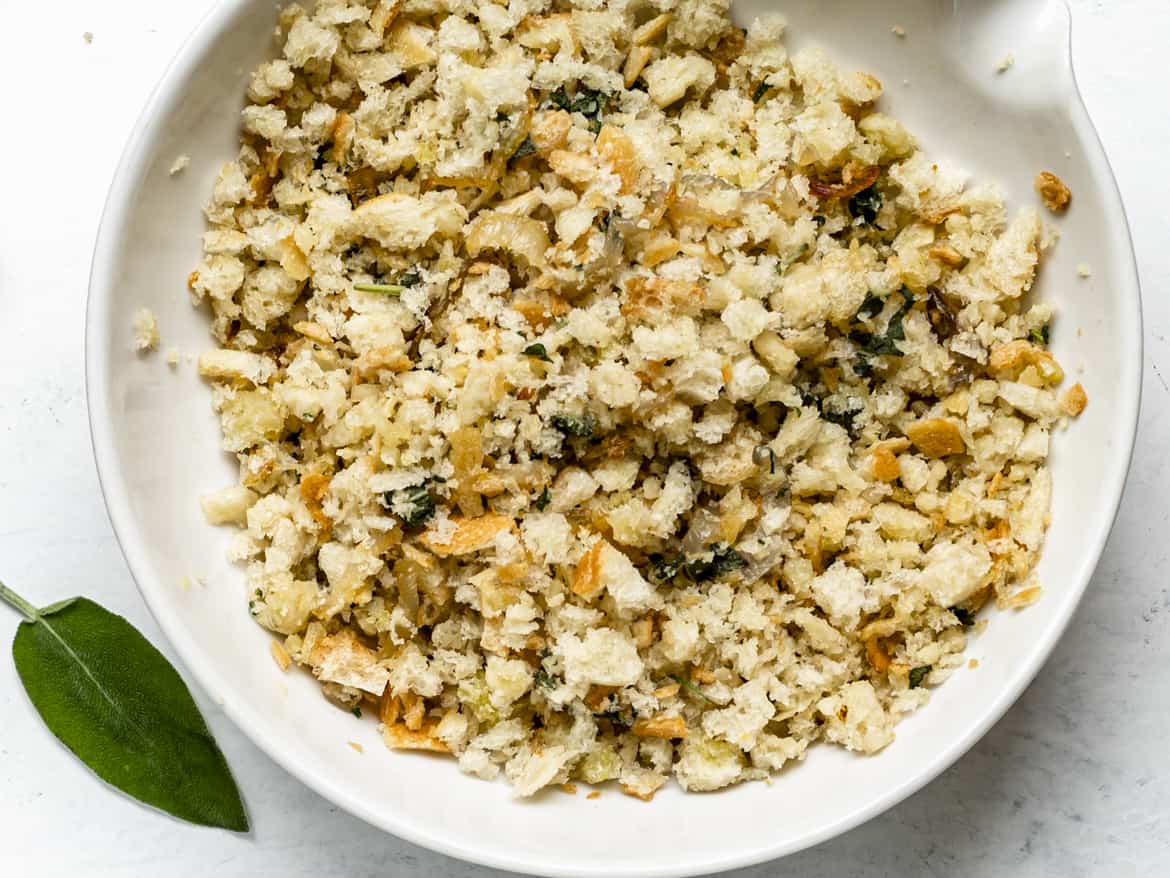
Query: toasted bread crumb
(596,794)
(279,655)
(1074,400)
(668,727)
(1052,191)
(936,437)
(1006,63)
(356,747)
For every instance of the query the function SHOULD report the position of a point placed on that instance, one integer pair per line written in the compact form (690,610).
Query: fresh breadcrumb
(145,328)
(180,164)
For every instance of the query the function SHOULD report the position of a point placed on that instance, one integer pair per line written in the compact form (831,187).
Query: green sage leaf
(117,703)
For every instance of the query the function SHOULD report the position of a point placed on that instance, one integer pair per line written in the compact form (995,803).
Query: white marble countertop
(1073,782)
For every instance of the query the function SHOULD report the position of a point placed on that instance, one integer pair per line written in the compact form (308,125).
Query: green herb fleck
(543,500)
(874,345)
(526,148)
(356,710)
(409,278)
(871,307)
(664,569)
(545,680)
(581,426)
(1040,336)
(386,289)
(538,351)
(866,204)
(917,675)
(115,701)
(414,505)
(719,560)
(843,417)
(690,687)
(761,90)
(589,103)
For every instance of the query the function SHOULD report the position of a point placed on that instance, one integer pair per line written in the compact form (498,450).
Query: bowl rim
(119,202)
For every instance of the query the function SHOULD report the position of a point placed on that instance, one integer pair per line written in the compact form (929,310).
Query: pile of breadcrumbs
(615,395)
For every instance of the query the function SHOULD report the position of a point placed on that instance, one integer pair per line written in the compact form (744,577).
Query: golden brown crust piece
(1053,191)
(470,535)
(936,437)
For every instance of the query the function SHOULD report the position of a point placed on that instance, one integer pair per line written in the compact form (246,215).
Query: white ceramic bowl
(157,447)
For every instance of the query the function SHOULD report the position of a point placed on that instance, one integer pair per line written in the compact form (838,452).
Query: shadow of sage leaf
(117,703)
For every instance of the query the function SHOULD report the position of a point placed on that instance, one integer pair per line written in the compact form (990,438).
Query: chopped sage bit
(1040,336)
(543,500)
(866,204)
(966,617)
(719,560)
(761,90)
(545,680)
(664,569)
(538,351)
(844,417)
(356,711)
(875,345)
(414,505)
(690,687)
(917,675)
(871,307)
(580,426)
(386,289)
(589,103)
(526,148)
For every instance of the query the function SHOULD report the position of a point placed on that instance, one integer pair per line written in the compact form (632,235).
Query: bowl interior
(157,445)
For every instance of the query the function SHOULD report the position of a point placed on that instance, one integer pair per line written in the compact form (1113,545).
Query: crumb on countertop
(1084,270)
(1053,191)
(180,164)
(1006,63)
(173,357)
(973,664)
(596,794)
(145,326)
(358,748)
(88,37)
(898,31)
